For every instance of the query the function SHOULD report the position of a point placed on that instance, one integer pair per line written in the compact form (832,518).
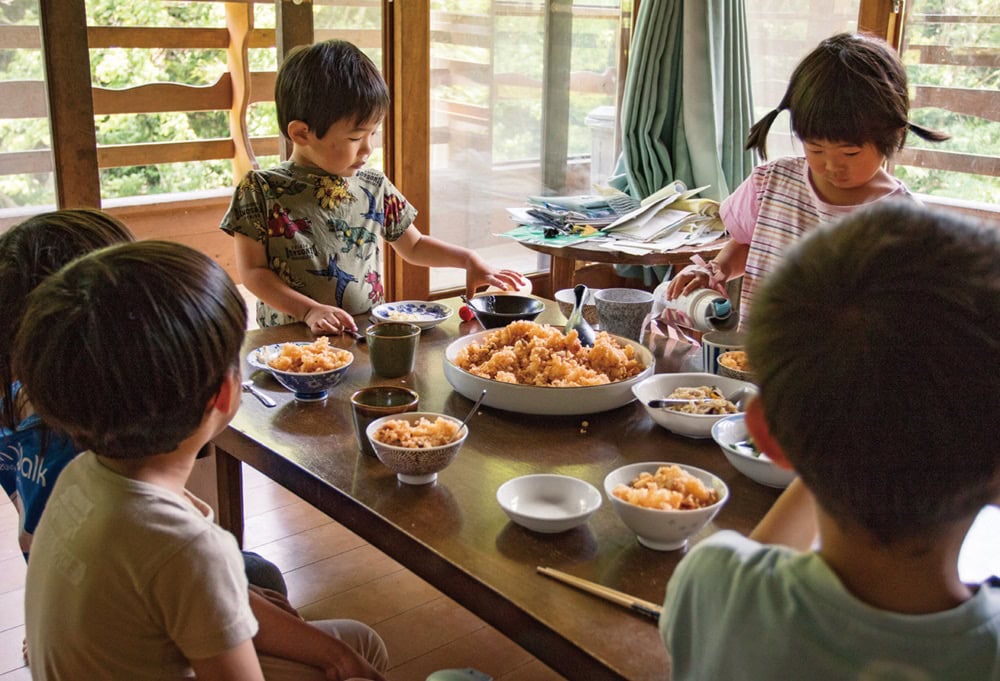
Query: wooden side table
(564,259)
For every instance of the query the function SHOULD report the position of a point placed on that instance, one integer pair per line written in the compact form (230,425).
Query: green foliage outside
(515,111)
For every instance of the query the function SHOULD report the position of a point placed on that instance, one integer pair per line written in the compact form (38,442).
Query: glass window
(781,33)
(358,22)
(498,134)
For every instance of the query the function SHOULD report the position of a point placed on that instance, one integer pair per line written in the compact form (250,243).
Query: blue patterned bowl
(308,387)
(423,314)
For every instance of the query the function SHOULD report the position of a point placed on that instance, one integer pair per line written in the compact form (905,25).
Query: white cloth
(736,609)
(127,580)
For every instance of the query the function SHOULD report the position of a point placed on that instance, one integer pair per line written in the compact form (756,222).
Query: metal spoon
(249,387)
(576,321)
(738,398)
(471,412)
(359,337)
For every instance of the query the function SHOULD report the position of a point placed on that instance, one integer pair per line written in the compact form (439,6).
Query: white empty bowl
(663,530)
(689,425)
(548,502)
(733,429)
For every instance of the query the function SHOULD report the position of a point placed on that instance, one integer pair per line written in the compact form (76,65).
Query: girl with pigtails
(849,107)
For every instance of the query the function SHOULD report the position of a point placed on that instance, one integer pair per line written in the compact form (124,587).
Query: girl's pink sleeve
(739,211)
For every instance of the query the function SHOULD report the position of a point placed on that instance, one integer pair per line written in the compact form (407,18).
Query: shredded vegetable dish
(709,400)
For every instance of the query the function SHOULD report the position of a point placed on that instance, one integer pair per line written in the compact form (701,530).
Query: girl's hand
(691,278)
(699,274)
(328,320)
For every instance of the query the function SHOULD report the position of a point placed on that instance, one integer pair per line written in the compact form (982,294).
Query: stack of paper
(655,219)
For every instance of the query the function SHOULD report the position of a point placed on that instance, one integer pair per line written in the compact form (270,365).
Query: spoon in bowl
(471,412)
(576,321)
(739,397)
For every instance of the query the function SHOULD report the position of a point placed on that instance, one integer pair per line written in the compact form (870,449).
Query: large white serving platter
(548,401)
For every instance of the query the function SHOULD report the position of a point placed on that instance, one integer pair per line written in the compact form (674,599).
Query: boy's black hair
(125,348)
(326,82)
(876,344)
(31,251)
(852,88)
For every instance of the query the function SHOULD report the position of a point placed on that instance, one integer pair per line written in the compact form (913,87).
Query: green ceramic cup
(376,401)
(392,348)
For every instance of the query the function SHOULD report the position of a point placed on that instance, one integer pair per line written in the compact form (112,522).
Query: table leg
(561,271)
(229,481)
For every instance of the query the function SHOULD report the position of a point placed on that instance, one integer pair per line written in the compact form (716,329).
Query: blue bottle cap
(721,309)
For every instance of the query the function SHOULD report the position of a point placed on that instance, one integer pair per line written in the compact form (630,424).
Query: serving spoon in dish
(576,321)
(739,397)
(472,411)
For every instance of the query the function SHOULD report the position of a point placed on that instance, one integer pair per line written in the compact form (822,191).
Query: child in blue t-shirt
(31,454)
(309,233)
(876,345)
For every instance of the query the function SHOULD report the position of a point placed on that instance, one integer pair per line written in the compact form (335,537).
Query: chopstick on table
(647,608)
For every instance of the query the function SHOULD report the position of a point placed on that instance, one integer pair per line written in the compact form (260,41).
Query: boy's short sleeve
(203,597)
(247,214)
(399,213)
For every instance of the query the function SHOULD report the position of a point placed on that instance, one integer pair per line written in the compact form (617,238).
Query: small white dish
(423,314)
(732,430)
(688,425)
(548,503)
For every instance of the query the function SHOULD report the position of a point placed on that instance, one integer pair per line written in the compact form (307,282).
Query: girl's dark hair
(852,88)
(326,82)
(125,349)
(30,252)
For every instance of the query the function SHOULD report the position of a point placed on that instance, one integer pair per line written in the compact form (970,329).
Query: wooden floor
(330,572)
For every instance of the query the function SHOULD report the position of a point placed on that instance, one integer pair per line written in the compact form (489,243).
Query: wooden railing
(979,103)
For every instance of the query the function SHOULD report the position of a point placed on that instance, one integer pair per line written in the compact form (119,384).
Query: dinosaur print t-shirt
(322,233)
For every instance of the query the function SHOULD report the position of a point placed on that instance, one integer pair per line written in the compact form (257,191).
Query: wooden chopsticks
(647,608)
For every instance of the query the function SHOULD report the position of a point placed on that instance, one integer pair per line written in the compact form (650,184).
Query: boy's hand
(327,320)
(479,273)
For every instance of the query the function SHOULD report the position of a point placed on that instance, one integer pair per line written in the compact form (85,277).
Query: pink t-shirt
(771,210)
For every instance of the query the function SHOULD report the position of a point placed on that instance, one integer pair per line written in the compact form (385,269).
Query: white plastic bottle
(702,310)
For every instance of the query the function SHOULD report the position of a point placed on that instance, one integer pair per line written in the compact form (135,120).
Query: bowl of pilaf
(665,503)
(417,445)
(532,368)
(308,369)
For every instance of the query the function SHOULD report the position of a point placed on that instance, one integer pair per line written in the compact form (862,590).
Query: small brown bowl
(731,372)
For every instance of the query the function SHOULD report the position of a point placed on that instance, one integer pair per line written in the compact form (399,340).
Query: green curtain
(686,109)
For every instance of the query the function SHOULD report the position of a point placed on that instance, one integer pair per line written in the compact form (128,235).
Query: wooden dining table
(454,534)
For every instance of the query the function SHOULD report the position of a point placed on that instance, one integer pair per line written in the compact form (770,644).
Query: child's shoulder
(790,165)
